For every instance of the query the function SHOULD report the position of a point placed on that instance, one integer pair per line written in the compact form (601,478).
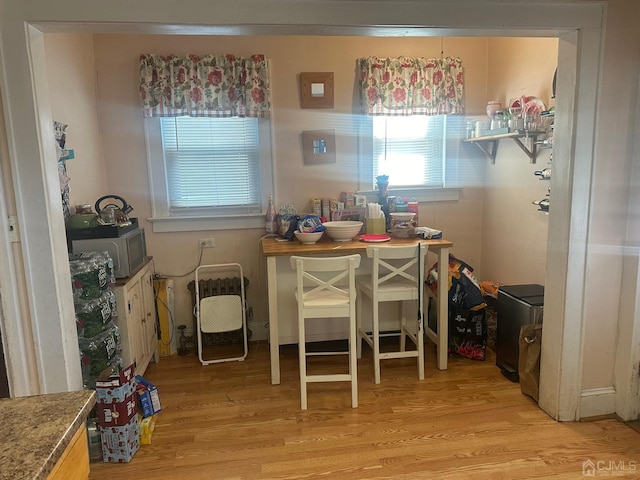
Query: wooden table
(273,248)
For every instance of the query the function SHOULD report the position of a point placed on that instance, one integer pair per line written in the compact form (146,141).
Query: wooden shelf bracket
(489,148)
(489,144)
(533,153)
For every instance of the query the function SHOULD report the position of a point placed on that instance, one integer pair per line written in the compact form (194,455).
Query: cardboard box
(349,199)
(146,426)
(108,378)
(326,207)
(119,444)
(117,414)
(353,214)
(316,207)
(115,387)
(148,397)
(333,206)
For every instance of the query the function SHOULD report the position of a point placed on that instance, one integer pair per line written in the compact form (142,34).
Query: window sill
(192,224)
(256,221)
(422,195)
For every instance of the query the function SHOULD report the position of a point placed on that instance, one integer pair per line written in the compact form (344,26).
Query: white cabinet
(136,320)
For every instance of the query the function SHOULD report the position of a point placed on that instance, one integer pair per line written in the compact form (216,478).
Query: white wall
(71,74)
(514,239)
(613,223)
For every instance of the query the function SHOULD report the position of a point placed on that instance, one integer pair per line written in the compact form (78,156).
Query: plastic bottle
(270,217)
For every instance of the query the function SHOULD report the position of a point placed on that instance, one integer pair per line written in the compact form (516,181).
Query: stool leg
(376,341)
(403,326)
(302,358)
(359,339)
(420,346)
(353,361)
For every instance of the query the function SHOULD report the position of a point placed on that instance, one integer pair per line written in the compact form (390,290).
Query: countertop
(273,247)
(36,430)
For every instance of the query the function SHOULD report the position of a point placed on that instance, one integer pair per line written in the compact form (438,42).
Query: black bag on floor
(467,332)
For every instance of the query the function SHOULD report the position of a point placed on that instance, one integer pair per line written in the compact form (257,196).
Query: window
(211,163)
(419,153)
(209,172)
(410,150)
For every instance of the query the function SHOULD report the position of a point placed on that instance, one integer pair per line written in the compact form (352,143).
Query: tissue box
(375,225)
(148,397)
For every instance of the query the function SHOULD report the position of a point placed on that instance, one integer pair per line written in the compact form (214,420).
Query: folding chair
(220,313)
(397,276)
(325,288)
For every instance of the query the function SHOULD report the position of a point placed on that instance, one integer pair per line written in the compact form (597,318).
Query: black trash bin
(517,305)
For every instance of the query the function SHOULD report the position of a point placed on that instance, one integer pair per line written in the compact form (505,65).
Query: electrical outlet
(207,242)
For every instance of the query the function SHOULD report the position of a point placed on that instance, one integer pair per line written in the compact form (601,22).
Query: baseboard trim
(597,401)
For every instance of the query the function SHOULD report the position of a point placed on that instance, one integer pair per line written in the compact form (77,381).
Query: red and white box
(115,388)
(116,403)
(119,444)
(117,414)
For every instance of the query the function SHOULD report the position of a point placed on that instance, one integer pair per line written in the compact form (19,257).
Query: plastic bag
(93,316)
(287,224)
(97,352)
(463,288)
(468,333)
(310,224)
(91,274)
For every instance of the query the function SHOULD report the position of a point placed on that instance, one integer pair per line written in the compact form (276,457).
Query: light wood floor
(227,421)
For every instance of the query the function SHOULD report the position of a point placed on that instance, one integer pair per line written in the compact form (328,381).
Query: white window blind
(212,165)
(410,150)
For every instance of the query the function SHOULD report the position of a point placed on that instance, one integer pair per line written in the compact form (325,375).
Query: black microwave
(128,251)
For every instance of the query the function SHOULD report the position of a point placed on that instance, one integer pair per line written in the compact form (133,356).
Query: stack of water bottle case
(92,279)
(126,406)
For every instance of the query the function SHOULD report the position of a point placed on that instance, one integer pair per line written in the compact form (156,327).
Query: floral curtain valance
(411,86)
(207,86)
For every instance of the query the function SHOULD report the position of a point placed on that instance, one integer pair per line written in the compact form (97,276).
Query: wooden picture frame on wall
(316,89)
(319,146)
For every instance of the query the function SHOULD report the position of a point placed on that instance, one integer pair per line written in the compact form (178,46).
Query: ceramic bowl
(402,216)
(308,238)
(342,231)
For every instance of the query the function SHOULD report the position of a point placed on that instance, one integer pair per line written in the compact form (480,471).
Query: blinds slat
(410,150)
(211,162)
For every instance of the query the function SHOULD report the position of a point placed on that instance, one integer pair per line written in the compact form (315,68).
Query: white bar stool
(397,276)
(325,288)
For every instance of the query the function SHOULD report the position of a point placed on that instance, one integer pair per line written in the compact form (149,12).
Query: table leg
(274,343)
(443,307)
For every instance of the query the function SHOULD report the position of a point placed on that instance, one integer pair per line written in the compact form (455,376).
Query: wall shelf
(489,143)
